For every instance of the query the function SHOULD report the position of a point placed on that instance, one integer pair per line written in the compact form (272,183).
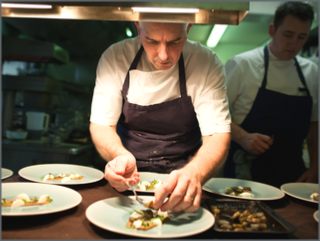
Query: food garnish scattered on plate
(23,200)
(145,219)
(239,191)
(62,177)
(314,196)
(149,185)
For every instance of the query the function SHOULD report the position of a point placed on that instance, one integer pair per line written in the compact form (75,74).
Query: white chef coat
(204,80)
(244,74)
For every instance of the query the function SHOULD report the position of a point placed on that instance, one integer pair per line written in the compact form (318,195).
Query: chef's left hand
(183,192)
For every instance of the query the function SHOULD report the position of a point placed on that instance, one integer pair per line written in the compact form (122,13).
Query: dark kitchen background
(48,75)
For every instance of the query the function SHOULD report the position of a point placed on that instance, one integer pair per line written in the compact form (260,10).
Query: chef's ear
(188,27)
(272,30)
(137,25)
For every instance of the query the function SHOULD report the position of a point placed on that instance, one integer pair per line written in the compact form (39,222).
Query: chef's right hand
(121,172)
(256,143)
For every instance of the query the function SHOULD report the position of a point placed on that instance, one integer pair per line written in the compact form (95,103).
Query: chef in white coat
(160,105)
(273,97)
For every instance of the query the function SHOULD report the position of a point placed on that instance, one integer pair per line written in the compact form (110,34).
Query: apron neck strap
(301,77)
(182,77)
(266,66)
(134,64)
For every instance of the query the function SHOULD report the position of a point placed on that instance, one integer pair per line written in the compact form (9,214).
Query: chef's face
(162,42)
(289,37)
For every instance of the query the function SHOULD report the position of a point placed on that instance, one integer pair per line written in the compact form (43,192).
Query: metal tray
(274,225)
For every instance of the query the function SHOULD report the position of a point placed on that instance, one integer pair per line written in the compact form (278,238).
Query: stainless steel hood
(201,12)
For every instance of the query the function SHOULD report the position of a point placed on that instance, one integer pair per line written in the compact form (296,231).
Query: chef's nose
(163,52)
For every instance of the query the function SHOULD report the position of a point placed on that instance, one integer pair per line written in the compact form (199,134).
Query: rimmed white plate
(5,173)
(316,215)
(36,173)
(301,190)
(63,198)
(260,191)
(149,177)
(119,208)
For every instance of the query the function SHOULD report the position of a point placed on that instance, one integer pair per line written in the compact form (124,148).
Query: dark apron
(161,136)
(287,119)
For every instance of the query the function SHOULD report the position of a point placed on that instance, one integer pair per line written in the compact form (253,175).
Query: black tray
(276,226)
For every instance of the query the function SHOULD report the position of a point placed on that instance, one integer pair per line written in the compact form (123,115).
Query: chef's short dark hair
(300,10)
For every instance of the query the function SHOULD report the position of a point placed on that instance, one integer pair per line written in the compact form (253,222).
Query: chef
(159,105)
(273,95)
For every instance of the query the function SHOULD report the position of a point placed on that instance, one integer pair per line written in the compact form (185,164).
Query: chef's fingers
(165,190)
(262,143)
(120,164)
(114,179)
(196,202)
(191,200)
(183,190)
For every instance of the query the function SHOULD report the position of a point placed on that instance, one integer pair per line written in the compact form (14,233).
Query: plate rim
(77,195)
(141,234)
(8,174)
(61,183)
(281,193)
(295,196)
(315,215)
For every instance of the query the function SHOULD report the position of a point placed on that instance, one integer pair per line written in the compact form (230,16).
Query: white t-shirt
(244,74)
(204,80)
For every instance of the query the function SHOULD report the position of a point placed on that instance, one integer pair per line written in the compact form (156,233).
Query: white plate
(260,191)
(149,177)
(301,190)
(5,173)
(37,172)
(316,215)
(113,214)
(63,198)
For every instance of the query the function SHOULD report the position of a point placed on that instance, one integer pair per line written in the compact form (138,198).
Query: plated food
(146,185)
(28,199)
(121,208)
(5,173)
(63,174)
(23,200)
(314,196)
(62,177)
(145,219)
(242,189)
(149,181)
(302,190)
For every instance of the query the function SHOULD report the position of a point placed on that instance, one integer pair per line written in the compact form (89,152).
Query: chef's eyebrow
(292,32)
(171,41)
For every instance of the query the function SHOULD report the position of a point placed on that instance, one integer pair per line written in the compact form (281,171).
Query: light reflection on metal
(26,6)
(125,13)
(164,10)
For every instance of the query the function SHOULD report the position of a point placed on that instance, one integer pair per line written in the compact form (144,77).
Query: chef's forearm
(238,134)
(107,141)
(210,155)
